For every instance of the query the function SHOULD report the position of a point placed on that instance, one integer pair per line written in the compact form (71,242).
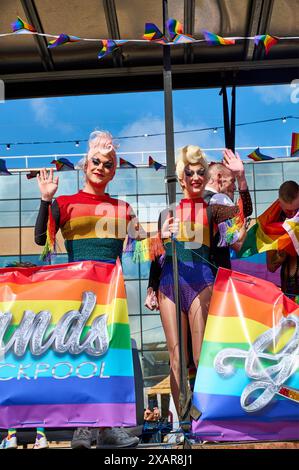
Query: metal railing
(138,158)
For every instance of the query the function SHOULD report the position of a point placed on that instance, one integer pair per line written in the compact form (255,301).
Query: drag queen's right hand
(47,183)
(170,227)
(151,301)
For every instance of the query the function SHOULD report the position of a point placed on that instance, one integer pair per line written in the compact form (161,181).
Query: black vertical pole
(233,121)
(171,179)
(225,117)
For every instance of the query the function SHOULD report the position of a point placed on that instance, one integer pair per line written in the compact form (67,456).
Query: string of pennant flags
(63,164)
(152,34)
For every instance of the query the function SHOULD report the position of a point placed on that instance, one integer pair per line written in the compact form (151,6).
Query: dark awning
(30,69)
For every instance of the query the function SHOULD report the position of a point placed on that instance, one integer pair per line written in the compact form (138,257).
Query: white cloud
(155,125)
(45,116)
(274,94)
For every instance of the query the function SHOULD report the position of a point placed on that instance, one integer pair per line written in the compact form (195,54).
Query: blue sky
(71,118)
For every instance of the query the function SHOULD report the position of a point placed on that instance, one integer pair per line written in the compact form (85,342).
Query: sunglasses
(190,173)
(107,165)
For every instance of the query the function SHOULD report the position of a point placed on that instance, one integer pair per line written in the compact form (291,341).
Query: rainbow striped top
(194,231)
(93,227)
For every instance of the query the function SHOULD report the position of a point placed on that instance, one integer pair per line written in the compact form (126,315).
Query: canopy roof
(30,69)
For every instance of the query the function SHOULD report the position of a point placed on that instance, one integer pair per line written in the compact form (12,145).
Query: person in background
(288,195)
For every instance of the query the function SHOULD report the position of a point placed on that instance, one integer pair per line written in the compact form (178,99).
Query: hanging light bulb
(284,120)
(215,130)
(77,143)
(7,146)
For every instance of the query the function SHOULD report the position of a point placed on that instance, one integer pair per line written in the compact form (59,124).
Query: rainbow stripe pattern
(63,164)
(67,389)
(267,234)
(125,164)
(295,145)
(242,386)
(214,40)
(255,265)
(93,227)
(62,39)
(258,156)
(20,26)
(153,33)
(267,40)
(153,164)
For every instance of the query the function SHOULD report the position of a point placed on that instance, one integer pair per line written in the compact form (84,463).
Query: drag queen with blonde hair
(191,228)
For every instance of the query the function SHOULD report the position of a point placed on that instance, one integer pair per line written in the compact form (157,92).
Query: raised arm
(233,161)
(48,185)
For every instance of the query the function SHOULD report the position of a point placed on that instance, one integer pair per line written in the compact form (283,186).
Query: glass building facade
(144,188)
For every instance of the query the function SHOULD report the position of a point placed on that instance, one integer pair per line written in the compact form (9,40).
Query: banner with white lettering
(66,358)
(247,382)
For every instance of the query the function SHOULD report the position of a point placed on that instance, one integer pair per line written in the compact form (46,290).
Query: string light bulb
(215,130)
(77,143)
(284,120)
(7,146)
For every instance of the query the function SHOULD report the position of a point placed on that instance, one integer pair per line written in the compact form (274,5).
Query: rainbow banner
(295,145)
(66,358)
(248,379)
(255,265)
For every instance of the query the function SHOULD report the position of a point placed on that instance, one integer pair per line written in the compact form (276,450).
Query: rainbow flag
(66,351)
(267,41)
(255,265)
(63,164)
(295,145)
(214,40)
(153,164)
(247,380)
(258,156)
(174,27)
(21,26)
(125,164)
(62,39)
(153,33)
(267,234)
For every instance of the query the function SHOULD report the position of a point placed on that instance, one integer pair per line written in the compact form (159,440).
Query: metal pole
(185,395)
(233,121)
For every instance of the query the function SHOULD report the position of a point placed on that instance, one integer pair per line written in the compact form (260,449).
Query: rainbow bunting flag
(62,39)
(125,164)
(153,33)
(3,170)
(258,156)
(267,41)
(66,350)
(248,379)
(213,39)
(295,145)
(153,164)
(267,234)
(20,26)
(174,27)
(108,46)
(63,164)
(32,174)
